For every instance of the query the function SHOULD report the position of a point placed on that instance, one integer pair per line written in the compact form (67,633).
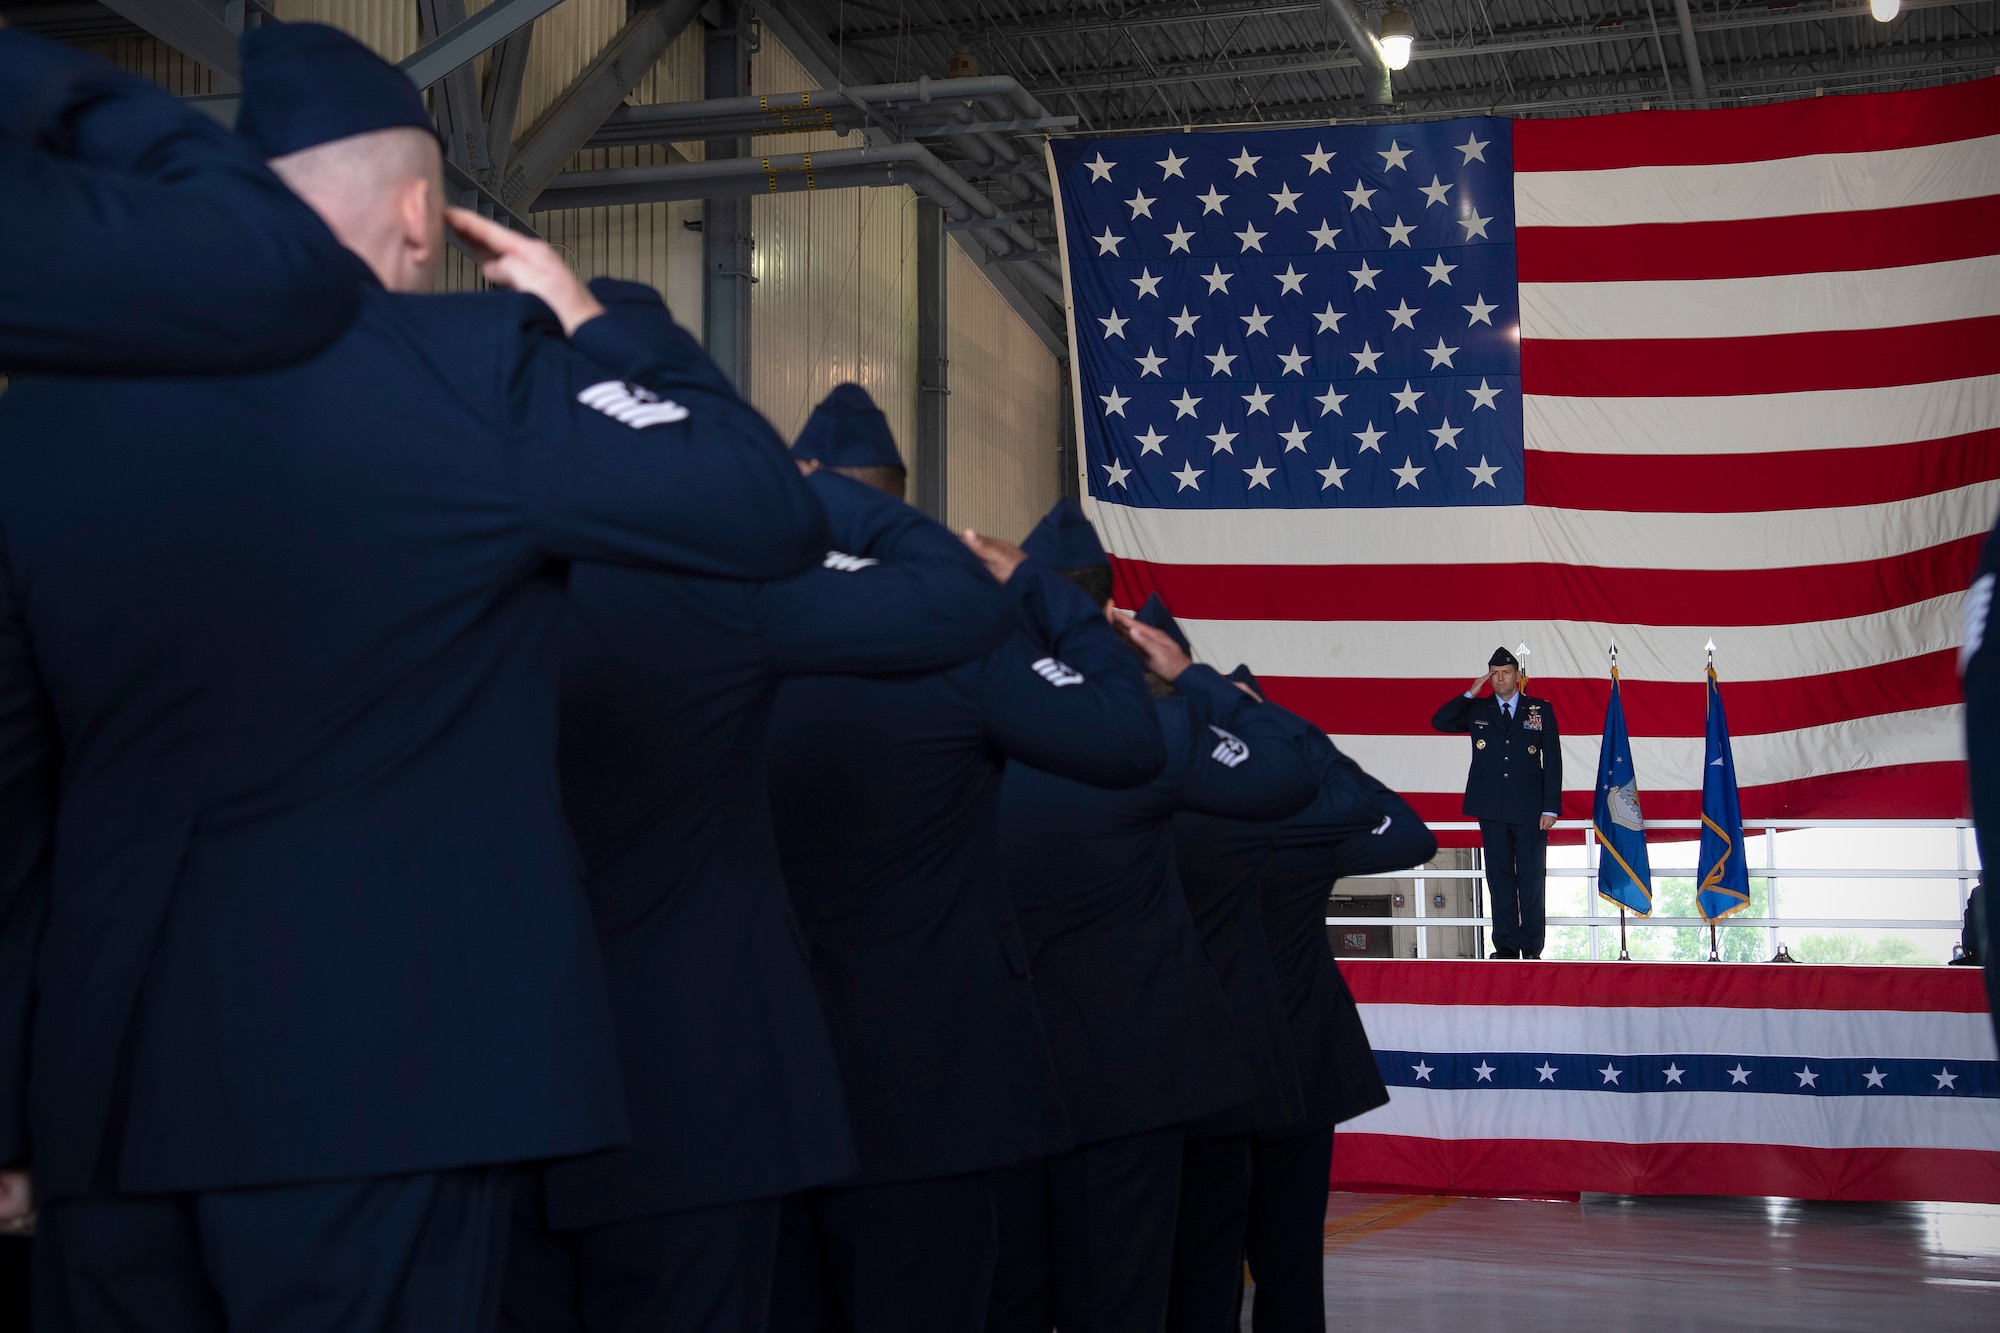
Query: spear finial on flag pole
(1521,656)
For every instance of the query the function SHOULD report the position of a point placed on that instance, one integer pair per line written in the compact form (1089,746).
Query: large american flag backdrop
(1362,402)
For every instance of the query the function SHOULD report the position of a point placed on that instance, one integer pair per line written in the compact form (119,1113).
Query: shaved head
(382,194)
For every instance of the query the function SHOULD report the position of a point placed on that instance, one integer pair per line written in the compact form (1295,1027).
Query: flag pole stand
(1714,954)
(1624,955)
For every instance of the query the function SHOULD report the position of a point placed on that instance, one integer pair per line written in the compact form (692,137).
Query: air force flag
(1724,886)
(1624,874)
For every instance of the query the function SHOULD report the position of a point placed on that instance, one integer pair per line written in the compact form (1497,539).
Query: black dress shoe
(1535,956)
(1506,953)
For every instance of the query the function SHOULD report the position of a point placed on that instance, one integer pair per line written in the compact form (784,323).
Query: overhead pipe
(1367,48)
(1697,80)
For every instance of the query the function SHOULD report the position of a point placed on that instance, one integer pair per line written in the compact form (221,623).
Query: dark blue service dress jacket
(1354,826)
(1979,665)
(886,796)
(1517,766)
(668,686)
(142,238)
(288,644)
(1142,1032)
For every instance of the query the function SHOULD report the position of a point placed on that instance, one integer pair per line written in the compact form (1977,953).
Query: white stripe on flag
(1759,307)
(1685,1117)
(1784,187)
(1816,1034)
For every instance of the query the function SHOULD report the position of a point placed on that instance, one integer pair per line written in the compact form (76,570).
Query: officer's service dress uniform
(886,800)
(314,961)
(1144,1035)
(142,238)
(668,685)
(1516,778)
(1979,663)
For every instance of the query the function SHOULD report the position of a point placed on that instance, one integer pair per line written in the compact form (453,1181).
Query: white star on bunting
(1100,170)
(1245,163)
(1217,280)
(1147,284)
(1370,439)
(1806,1077)
(1483,1072)
(1399,231)
(1177,240)
(1481,312)
(1474,149)
(1332,473)
(1421,1070)
(1285,199)
(1114,324)
(1259,475)
(1483,396)
(1222,439)
(1359,196)
(1220,361)
(1117,472)
(1407,474)
(1294,360)
(1295,438)
(1171,165)
(1141,206)
(1150,363)
(1188,476)
(1150,442)
(1447,434)
(1440,272)
(1114,403)
(1330,401)
(1406,397)
(1365,359)
(1184,405)
(1404,315)
(1108,244)
(1323,235)
(1393,159)
(1318,160)
(1364,276)
(1610,1074)
(1183,323)
(1252,238)
(1257,400)
(1672,1071)
(1547,1071)
(1212,201)
(1329,319)
(1475,226)
(1255,321)
(1291,280)
(1434,193)
(1441,355)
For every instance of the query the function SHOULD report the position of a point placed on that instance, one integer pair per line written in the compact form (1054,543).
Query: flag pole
(1714,952)
(1624,954)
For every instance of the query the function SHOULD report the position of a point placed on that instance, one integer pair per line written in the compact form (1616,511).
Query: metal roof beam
(191,27)
(463,42)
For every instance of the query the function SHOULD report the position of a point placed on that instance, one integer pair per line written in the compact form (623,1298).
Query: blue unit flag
(1724,887)
(1624,874)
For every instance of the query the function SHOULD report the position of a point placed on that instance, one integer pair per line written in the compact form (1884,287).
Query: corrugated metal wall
(836,292)
(1003,413)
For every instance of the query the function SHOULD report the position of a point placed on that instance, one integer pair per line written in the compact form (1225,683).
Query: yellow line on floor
(1375,1218)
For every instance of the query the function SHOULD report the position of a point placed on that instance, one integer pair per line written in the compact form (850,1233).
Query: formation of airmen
(490,838)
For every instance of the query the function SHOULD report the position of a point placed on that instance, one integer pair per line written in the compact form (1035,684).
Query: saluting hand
(1162,655)
(524,264)
(17,1203)
(1001,558)
(1480,682)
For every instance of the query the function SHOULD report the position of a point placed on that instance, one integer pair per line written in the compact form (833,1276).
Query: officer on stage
(1514,790)
(312,965)
(145,239)
(1144,1035)
(668,685)
(1979,669)
(886,797)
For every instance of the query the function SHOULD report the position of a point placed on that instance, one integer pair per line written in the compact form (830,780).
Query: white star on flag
(1547,1072)
(1406,397)
(1220,361)
(1254,322)
(1150,442)
(1294,360)
(1100,170)
(1483,396)
(1610,1074)
(1434,192)
(1370,439)
(1330,401)
(1405,316)
(1212,201)
(1252,238)
(1295,438)
(1114,324)
(1259,475)
(1875,1078)
(1285,199)
(1147,284)
(1245,163)
(1475,226)
(1945,1079)
(1392,160)
(1474,149)
(1188,476)
(1323,235)
(1672,1071)
(1177,240)
(1150,363)
(1183,323)
(1364,276)
(1331,474)
(1223,438)
(1141,206)
(1217,280)
(1739,1075)
(1184,405)
(1291,280)
(1440,272)
(1406,475)
(1329,319)
(1117,473)
(1318,160)
(1481,312)
(1421,1070)
(1447,434)
(1257,401)
(1108,244)
(1365,359)
(1807,1078)
(1441,355)
(1399,231)
(1114,403)
(1359,196)
(1171,165)
(1483,1071)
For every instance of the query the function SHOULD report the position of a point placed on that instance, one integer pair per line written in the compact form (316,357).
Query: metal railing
(1603,915)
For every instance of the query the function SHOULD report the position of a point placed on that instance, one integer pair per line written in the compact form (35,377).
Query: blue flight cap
(305,84)
(848,430)
(1064,539)
(1155,613)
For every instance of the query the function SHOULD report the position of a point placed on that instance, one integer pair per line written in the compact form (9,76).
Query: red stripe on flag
(1859,123)
(1543,1168)
(1892,791)
(1775,363)
(1353,706)
(1746,483)
(1665,985)
(1760,247)
(1536,591)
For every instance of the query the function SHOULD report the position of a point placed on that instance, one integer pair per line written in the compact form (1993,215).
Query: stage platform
(1658,1263)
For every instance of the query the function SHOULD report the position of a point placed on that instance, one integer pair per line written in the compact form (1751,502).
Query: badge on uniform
(636,407)
(1533,721)
(1479,745)
(1230,750)
(1055,672)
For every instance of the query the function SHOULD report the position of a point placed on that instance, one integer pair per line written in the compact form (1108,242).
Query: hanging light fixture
(1398,35)
(1884,10)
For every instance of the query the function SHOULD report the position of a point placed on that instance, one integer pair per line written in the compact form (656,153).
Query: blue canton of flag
(1624,872)
(1297,318)
(1724,886)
